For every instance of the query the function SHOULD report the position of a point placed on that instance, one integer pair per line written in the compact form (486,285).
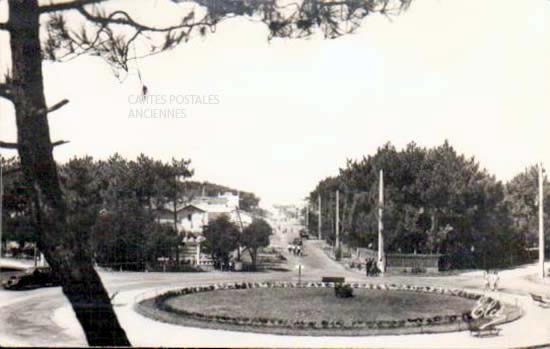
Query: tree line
(435,201)
(111,206)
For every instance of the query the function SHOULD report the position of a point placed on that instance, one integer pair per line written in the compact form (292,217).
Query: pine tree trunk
(68,254)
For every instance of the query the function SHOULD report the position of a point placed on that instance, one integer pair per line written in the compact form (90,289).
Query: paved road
(43,317)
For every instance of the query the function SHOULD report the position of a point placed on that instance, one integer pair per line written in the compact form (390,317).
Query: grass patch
(316,304)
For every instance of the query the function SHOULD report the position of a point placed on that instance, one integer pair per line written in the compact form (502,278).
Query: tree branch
(57,106)
(8,145)
(126,19)
(69,5)
(55,144)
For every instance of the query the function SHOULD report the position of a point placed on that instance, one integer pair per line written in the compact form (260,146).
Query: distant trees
(255,236)
(522,198)
(435,201)
(16,206)
(223,237)
(130,239)
(111,206)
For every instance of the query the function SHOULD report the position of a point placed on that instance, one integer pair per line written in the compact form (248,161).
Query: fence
(413,262)
(405,262)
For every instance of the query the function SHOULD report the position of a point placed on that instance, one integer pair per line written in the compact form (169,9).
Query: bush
(338,253)
(418,270)
(343,290)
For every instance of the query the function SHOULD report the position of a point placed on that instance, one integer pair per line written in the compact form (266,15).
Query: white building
(193,216)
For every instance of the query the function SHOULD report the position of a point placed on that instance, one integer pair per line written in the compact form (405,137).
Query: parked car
(32,278)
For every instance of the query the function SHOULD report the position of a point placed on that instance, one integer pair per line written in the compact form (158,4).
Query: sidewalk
(143,331)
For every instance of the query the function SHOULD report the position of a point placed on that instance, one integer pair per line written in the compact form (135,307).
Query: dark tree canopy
(255,236)
(222,238)
(435,201)
(113,34)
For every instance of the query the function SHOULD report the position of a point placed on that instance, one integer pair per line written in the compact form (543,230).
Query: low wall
(420,263)
(403,262)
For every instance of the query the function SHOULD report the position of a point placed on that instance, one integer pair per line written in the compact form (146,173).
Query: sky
(287,113)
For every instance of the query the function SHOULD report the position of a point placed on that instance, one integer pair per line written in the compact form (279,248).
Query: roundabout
(312,309)
(43,317)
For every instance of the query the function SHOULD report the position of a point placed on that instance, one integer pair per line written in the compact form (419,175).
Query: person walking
(368,267)
(495,280)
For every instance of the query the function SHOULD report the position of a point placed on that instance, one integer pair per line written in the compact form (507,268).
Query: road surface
(43,317)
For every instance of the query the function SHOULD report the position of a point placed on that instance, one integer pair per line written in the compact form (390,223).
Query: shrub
(343,290)
(418,270)
(338,253)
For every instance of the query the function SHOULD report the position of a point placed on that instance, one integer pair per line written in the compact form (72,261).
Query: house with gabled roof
(191,217)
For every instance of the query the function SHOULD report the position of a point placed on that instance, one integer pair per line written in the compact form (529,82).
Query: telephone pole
(337,244)
(319,222)
(307,217)
(541,222)
(380,224)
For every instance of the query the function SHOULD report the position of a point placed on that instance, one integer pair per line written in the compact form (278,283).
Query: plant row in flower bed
(160,302)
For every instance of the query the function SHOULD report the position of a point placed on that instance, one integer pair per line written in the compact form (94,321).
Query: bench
(541,302)
(334,279)
(483,332)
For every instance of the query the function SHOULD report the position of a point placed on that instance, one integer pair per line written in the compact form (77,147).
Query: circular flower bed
(450,322)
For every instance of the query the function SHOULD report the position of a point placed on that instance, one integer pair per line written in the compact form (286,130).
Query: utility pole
(337,244)
(541,222)
(307,218)
(319,208)
(380,224)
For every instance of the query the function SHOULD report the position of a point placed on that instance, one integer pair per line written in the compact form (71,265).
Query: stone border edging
(160,303)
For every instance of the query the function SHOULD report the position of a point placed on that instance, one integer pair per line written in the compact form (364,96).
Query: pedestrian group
(491,280)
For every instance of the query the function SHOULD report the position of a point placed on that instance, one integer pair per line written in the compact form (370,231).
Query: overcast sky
(289,113)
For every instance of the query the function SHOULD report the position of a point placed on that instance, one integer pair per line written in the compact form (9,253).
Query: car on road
(31,278)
